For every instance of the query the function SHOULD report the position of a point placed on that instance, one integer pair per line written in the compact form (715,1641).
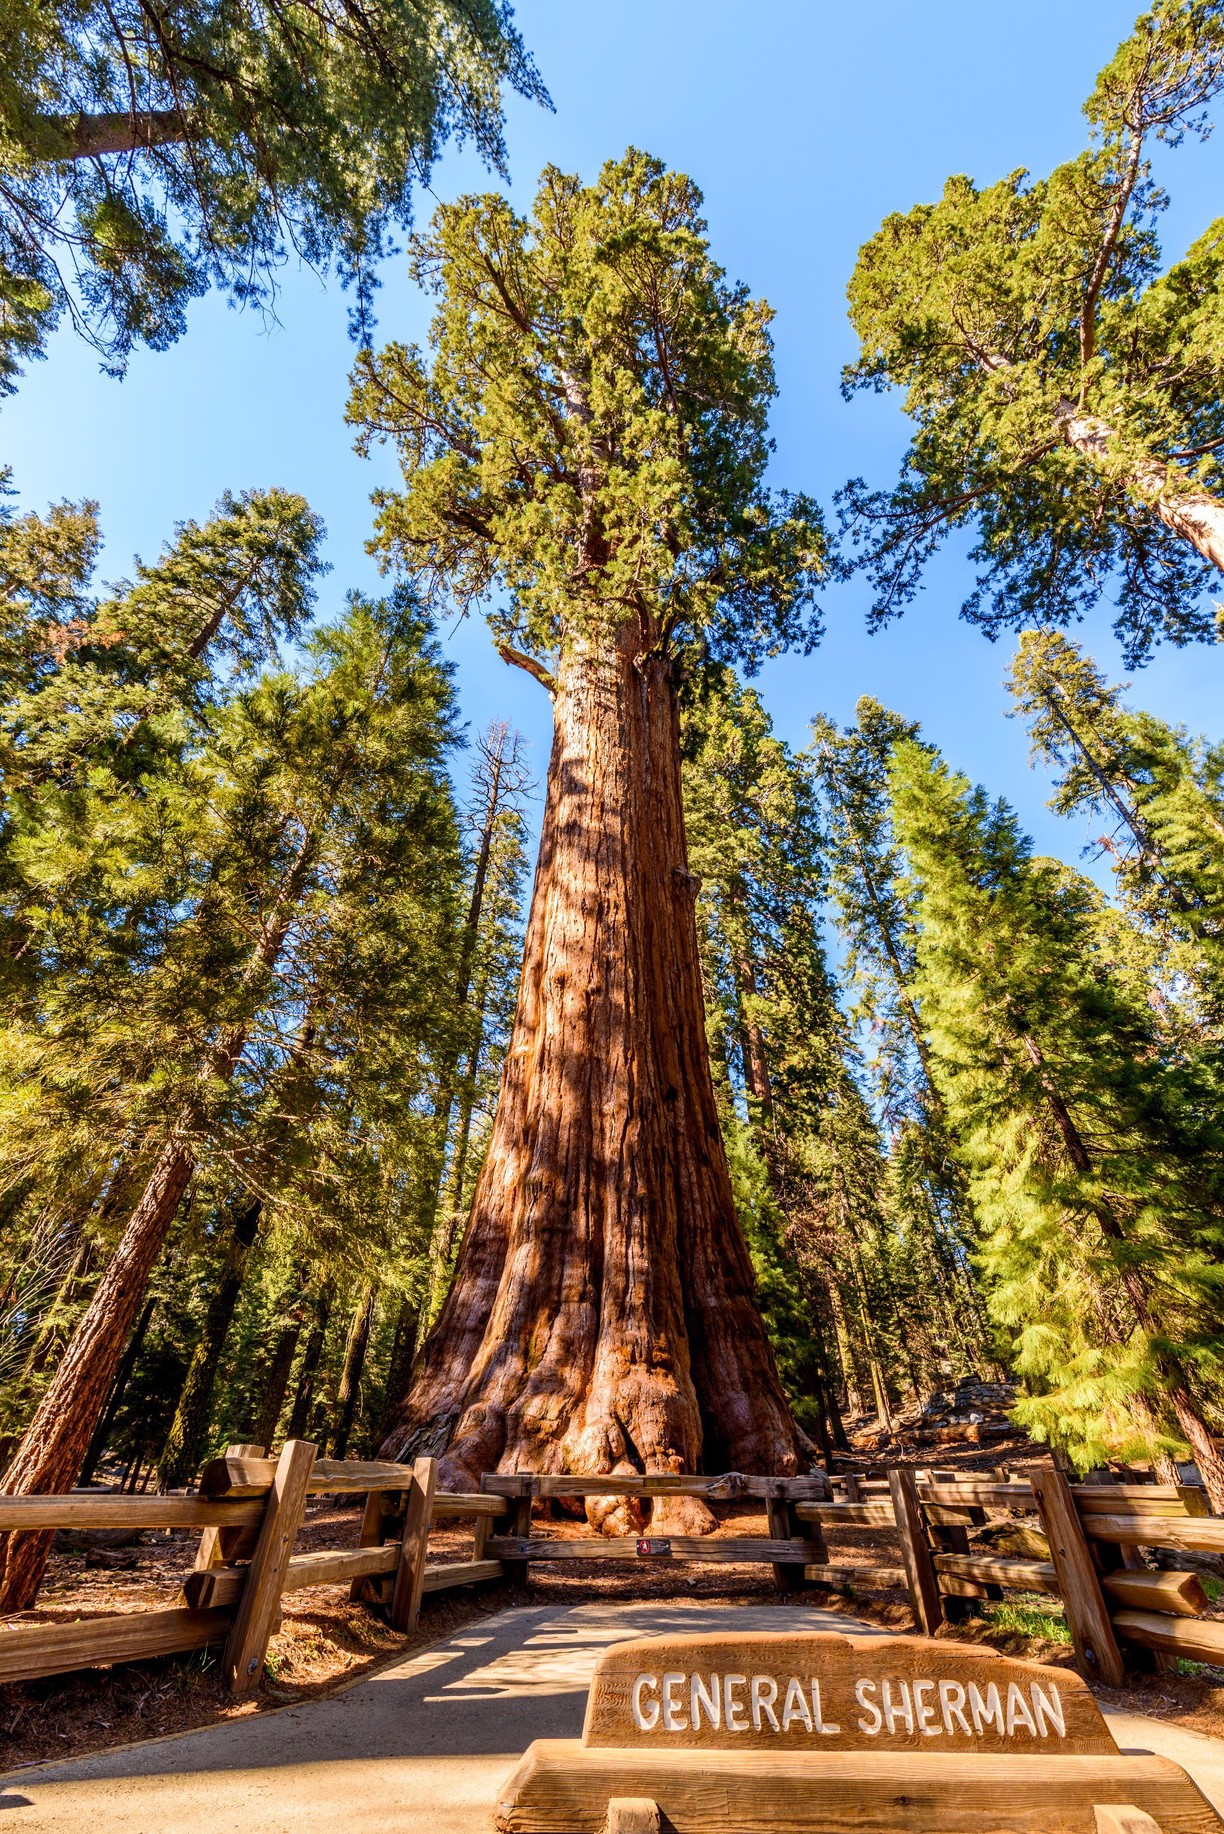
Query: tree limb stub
(519,659)
(91,136)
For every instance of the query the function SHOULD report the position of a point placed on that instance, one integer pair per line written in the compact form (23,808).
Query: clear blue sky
(804,124)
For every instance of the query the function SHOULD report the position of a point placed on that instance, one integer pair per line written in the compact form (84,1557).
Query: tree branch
(1092,292)
(89,136)
(519,659)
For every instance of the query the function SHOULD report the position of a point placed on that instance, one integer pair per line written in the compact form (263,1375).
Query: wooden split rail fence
(1113,1602)
(249,1509)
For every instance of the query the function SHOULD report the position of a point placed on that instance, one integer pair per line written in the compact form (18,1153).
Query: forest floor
(326,1642)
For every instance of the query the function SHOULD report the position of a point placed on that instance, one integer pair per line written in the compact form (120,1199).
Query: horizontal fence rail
(1119,1611)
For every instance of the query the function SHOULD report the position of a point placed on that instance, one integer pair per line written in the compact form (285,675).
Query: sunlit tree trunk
(355,1349)
(602,1315)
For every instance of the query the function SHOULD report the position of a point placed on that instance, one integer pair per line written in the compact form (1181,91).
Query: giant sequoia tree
(1066,392)
(586,445)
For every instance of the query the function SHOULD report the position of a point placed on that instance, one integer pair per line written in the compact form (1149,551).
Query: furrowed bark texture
(602,1315)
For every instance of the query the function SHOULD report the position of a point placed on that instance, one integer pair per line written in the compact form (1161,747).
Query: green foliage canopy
(147,152)
(1067,396)
(1095,1162)
(586,442)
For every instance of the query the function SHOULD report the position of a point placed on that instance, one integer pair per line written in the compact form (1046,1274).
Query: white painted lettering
(870,1726)
(673,1709)
(795,1706)
(732,1705)
(764,1693)
(924,1711)
(988,1710)
(893,1712)
(830,1730)
(952,1700)
(1018,1712)
(707,1700)
(640,1719)
(1048,1709)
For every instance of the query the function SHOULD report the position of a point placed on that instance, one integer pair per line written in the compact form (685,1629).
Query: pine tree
(771,1013)
(490,955)
(1162,794)
(145,155)
(317,873)
(1095,1164)
(1064,384)
(929,1199)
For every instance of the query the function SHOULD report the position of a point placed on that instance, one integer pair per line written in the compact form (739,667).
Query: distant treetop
(152,148)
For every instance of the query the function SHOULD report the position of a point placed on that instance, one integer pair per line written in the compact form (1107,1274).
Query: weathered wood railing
(1112,1601)
(250,1507)
(783,1546)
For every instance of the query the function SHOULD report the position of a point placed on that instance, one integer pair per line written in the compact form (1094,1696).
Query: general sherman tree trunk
(602,1315)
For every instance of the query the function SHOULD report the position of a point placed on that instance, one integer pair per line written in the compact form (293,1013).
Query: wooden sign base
(562,1787)
(814,1733)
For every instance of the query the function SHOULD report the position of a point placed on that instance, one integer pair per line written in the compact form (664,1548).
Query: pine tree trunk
(354,1362)
(275,1382)
(399,1363)
(312,1355)
(854,1397)
(57,1439)
(442,1230)
(602,1315)
(97,1444)
(184,1442)
(449,1215)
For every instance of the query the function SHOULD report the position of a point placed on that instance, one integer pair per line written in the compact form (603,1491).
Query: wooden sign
(814,1690)
(816,1733)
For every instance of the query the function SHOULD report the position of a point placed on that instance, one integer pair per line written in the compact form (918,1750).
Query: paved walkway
(423,1746)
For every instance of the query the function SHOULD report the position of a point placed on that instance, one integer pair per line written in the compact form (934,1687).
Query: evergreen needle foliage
(1095,1162)
(1066,393)
(149,152)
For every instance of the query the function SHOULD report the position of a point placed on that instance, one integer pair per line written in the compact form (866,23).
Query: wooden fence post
(924,1591)
(784,1525)
(378,1507)
(220,1544)
(947,1532)
(410,1574)
(519,1525)
(1096,1647)
(247,1643)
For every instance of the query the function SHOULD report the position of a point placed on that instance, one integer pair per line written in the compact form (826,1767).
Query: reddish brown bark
(54,1447)
(602,1315)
